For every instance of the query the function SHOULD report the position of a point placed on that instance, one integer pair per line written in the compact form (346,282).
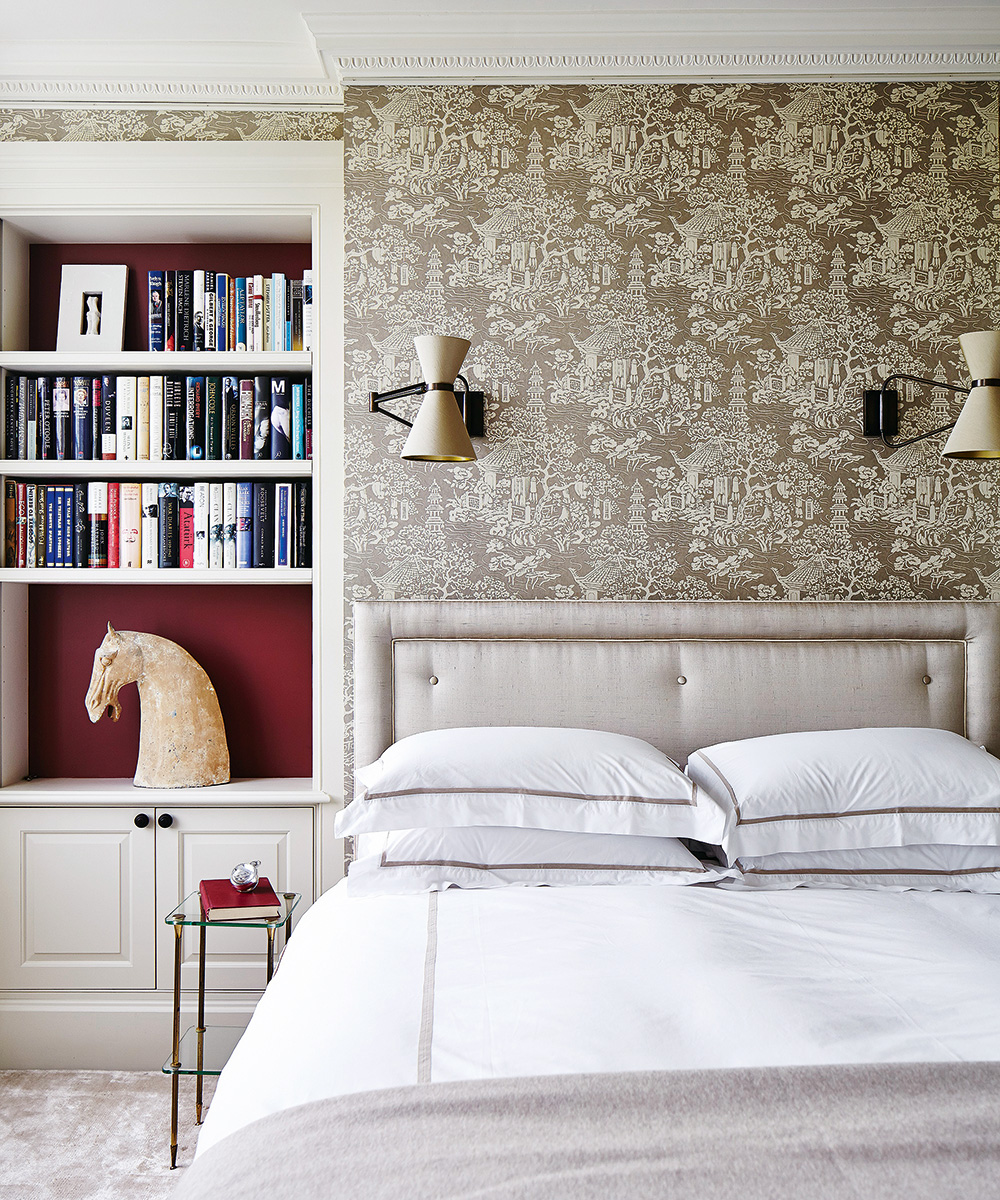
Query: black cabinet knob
(164,820)
(141,820)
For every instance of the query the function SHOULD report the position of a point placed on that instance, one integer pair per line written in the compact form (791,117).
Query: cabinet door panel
(81,883)
(206,844)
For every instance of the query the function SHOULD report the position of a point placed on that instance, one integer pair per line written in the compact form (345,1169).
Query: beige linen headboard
(678,674)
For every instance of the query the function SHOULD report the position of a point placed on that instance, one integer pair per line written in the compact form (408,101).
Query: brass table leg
(289,896)
(201,1023)
(175,1061)
(270,952)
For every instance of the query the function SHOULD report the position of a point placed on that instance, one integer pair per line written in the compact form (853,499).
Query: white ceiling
(281,51)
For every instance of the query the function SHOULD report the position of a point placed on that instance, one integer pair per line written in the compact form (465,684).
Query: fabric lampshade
(439,433)
(977,430)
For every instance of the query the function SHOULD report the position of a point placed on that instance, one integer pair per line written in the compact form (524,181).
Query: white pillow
(893,868)
(851,788)
(579,780)
(480,856)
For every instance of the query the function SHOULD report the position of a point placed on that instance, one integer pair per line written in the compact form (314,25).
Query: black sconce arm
(882,411)
(472,404)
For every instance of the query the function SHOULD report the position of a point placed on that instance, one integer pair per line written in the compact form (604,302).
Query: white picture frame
(92,307)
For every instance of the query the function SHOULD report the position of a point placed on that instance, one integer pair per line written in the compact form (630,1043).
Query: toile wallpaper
(676,296)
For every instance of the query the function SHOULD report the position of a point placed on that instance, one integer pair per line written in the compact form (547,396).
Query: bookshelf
(274,633)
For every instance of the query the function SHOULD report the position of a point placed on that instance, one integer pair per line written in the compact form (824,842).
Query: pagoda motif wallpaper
(676,296)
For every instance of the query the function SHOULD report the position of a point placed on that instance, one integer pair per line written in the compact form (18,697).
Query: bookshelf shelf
(157,469)
(177,575)
(145,362)
(292,791)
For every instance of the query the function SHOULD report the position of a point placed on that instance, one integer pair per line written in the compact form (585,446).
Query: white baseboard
(103,1030)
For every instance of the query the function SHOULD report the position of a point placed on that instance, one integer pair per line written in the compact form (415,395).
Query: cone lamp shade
(977,430)
(439,433)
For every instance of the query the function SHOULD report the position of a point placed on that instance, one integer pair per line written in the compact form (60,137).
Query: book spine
(114,526)
(283,525)
(195,391)
(97,507)
(302,556)
(230,417)
(46,431)
(246,418)
(61,413)
(109,418)
(198,310)
(81,417)
(241,313)
(50,525)
(150,538)
(169,555)
(184,334)
(22,525)
(287,288)
(130,522)
(277,306)
(201,520)
(266,334)
(307,310)
(211,312)
(255,313)
(30,494)
(156,418)
(41,525)
(296,294)
(231,326)
(229,525)
(32,434)
(261,416)
(81,526)
(309,415)
(9,523)
(298,421)
(281,418)
(213,417)
(142,418)
(222,312)
(126,405)
(96,416)
(185,525)
(60,531)
(174,418)
(244,524)
(263,524)
(10,417)
(170,310)
(22,416)
(215,502)
(157,340)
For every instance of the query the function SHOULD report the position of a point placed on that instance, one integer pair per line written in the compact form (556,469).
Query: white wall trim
(151,93)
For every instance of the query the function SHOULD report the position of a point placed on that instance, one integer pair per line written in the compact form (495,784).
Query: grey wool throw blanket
(921,1131)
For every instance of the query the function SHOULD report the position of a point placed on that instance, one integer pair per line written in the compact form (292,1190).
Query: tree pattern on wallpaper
(122,124)
(676,296)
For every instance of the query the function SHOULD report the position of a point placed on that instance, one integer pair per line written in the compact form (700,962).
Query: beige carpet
(92,1135)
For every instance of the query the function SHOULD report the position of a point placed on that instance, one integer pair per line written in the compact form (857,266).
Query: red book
(114,541)
(222,902)
(22,525)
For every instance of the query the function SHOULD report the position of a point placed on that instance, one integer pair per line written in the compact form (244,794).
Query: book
(220,901)
(195,409)
(50,525)
(266,336)
(22,525)
(231,327)
(114,526)
(283,525)
(30,493)
(59,525)
(109,417)
(307,310)
(296,297)
(170,310)
(81,526)
(46,427)
(211,311)
(244,524)
(302,548)
(81,417)
(201,517)
(228,526)
(277,331)
(127,389)
(130,524)
(298,420)
(156,324)
(308,384)
(41,525)
(97,509)
(32,422)
(150,537)
(198,310)
(213,417)
(69,525)
(22,416)
(222,312)
(255,313)
(174,418)
(184,331)
(263,523)
(281,417)
(142,418)
(215,502)
(10,523)
(96,416)
(10,418)
(156,417)
(230,417)
(246,418)
(262,416)
(169,553)
(62,417)
(240,313)
(185,525)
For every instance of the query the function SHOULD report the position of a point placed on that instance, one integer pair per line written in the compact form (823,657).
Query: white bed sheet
(529,981)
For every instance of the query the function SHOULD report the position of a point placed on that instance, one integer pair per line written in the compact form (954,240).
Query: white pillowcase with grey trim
(430,860)
(576,780)
(890,868)
(851,789)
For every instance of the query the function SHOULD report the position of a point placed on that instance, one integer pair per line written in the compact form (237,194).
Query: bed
(631,1040)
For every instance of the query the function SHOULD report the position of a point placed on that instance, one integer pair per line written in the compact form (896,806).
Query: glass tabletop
(189,912)
(204,1053)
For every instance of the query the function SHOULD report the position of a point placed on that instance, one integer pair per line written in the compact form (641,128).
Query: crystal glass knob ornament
(244,876)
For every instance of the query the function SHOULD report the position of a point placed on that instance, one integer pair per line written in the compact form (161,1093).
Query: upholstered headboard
(678,674)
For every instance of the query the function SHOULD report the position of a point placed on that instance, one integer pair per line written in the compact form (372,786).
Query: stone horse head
(182,738)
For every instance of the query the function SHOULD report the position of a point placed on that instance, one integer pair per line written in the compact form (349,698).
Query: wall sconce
(446,420)
(976,433)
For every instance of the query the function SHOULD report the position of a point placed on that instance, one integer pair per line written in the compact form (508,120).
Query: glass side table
(205,1050)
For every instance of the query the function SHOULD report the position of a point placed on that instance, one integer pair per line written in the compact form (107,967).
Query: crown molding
(48,93)
(489,68)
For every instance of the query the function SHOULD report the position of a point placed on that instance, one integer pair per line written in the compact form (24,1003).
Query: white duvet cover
(381,992)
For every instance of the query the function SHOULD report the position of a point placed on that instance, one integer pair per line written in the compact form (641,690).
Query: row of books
(209,310)
(131,525)
(137,417)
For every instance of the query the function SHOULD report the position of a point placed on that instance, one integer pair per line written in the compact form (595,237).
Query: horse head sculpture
(182,737)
